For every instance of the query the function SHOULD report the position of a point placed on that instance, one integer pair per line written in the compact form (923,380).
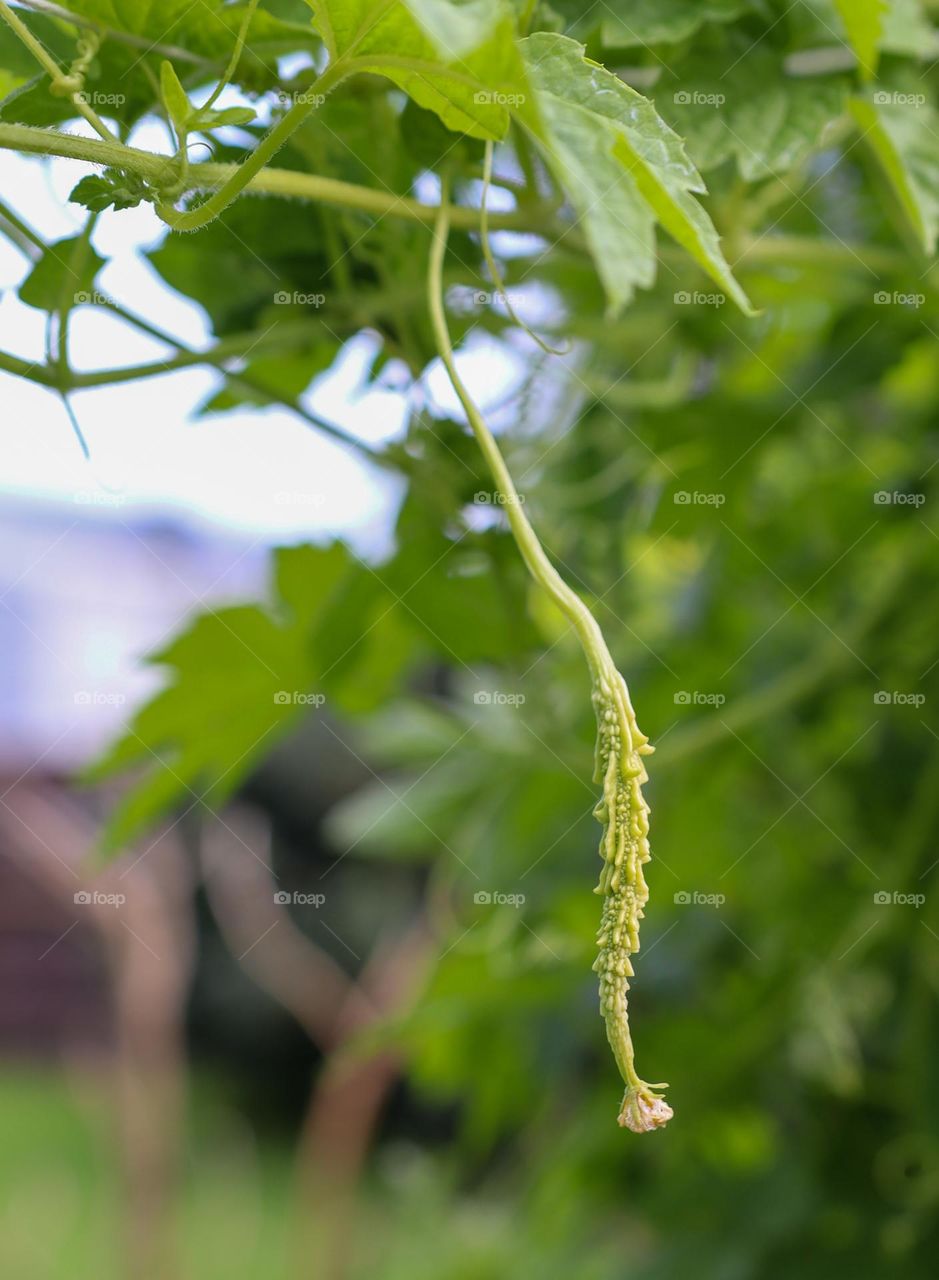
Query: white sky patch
(258,470)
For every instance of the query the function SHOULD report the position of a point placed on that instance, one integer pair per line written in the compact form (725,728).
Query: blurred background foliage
(749,507)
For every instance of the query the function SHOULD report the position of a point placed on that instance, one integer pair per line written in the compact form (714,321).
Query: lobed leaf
(238,677)
(61,273)
(622,167)
(627,23)
(458,60)
(766,121)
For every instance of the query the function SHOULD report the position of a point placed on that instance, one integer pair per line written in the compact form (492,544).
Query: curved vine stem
(621,746)
(539,566)
(225,78)
(67,85)
(267,148)
(209,176)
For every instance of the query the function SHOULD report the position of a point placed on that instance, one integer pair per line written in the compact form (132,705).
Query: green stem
(539,566)
(246,382)
(268,147)
(31,245)
(29,370)
(528,13)
(227,349)
(769,249)
(67,85)
(209,176)
(46,375)
(236,54)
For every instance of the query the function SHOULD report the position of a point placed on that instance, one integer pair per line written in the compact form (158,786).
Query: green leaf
(639,22)
(766,121)
(903,138)
(175,99)
(241,676)
(907,30)
(212,119)
(458,60)
(871,28)
(285,376)
(457,28)
(66,270)
(623,169)
(207,28)
(238,265)
(110,190)
(864,22)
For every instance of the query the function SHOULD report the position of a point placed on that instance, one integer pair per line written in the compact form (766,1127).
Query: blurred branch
(32,246)
(333,1009)
(259,932)
(149,944)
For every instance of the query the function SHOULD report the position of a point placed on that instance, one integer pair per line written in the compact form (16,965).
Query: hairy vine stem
(620,749)
(209,176)
(266,149)
(63,84)
(292,184)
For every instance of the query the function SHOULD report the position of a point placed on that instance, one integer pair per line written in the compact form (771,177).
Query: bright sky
(240,469)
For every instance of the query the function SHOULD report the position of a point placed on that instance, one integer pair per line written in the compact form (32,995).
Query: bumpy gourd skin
(624,848)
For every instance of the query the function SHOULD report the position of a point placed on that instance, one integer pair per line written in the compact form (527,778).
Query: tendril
(494,272)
